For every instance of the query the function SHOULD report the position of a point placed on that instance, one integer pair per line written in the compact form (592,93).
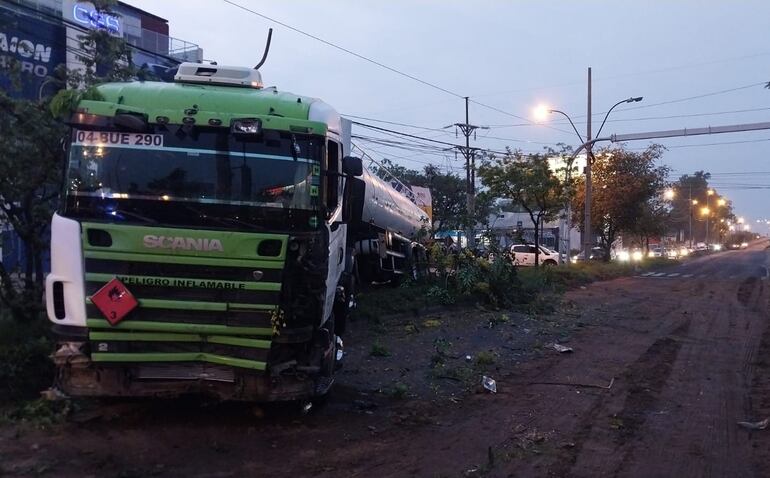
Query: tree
(625,183)
(530,183)
(653,221)
(694,188)
(31,156)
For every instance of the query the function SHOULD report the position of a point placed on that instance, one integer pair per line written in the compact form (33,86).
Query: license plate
(112,138)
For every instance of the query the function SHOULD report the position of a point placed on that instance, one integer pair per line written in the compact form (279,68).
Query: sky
(705,61)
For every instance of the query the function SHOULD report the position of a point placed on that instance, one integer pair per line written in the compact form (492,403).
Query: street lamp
(633,99)
(693,202)
(540,113)
(669,194)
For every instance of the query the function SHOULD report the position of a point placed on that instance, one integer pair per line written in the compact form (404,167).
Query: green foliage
(30,168)
(41,413)
(530,183)
(695,187)
(65,102)
(441,295)
(31,157)
(400,391)
(485,357)
(25,366)
(625,185)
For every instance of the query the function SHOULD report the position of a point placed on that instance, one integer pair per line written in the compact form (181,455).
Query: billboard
(36,46)
(424,200)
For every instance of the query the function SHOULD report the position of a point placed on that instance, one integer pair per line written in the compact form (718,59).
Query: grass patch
(40,412)
(409,298)
(560,278)
(400,390)
(485,357)
(379,350)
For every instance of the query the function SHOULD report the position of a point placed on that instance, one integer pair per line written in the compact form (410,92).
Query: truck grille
(194,306)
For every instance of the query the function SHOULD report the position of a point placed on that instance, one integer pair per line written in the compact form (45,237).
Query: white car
(524,255)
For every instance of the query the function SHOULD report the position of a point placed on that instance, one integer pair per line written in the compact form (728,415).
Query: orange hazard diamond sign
(115,301)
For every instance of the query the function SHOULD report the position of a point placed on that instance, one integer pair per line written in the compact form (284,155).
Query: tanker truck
(208,238)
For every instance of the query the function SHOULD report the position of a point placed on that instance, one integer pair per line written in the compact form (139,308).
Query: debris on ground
(760,425)
(561,348)
(53,394)
(489,384)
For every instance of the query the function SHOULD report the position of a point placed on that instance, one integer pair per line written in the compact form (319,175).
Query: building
(42,35)
(514,227)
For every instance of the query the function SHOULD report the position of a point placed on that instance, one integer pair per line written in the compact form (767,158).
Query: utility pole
(690,202)
(587,241)
(470,173)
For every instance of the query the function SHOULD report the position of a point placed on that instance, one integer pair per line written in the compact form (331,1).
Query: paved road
(722,265)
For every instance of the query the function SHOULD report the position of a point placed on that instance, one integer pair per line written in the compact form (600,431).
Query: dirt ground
(664,367)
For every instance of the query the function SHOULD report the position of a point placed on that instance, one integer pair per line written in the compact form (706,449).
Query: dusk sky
(696,63)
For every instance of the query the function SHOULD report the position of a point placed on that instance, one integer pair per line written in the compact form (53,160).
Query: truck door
(337,229)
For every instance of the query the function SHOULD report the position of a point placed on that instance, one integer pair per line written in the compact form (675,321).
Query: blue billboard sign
(36,46)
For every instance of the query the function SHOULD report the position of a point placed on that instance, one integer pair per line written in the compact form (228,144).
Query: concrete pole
(690,202)
(587,241)
(470,177)
(707,219)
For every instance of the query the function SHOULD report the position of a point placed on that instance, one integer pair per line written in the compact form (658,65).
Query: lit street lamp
(541,113)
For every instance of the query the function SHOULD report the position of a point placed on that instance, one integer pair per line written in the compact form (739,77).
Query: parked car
(524,255)
(597,254)
(656,251)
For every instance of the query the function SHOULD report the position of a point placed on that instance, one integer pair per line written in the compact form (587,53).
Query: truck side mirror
(352,166)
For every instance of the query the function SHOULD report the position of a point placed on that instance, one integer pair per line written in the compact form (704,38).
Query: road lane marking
(659,274)
(647,274)
(687,276)
(673,274)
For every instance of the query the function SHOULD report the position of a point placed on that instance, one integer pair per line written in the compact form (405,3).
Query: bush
(25,366)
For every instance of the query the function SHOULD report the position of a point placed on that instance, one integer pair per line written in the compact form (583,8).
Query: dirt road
(663,368)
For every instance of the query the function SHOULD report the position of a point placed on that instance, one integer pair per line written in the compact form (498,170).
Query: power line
(444,131)
(646,118)
(625,75)
(382,65)
(531,123)
(343,49)
(393,123)
(688,98)
(677,100)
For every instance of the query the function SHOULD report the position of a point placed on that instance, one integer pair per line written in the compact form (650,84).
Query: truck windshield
(195,177)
